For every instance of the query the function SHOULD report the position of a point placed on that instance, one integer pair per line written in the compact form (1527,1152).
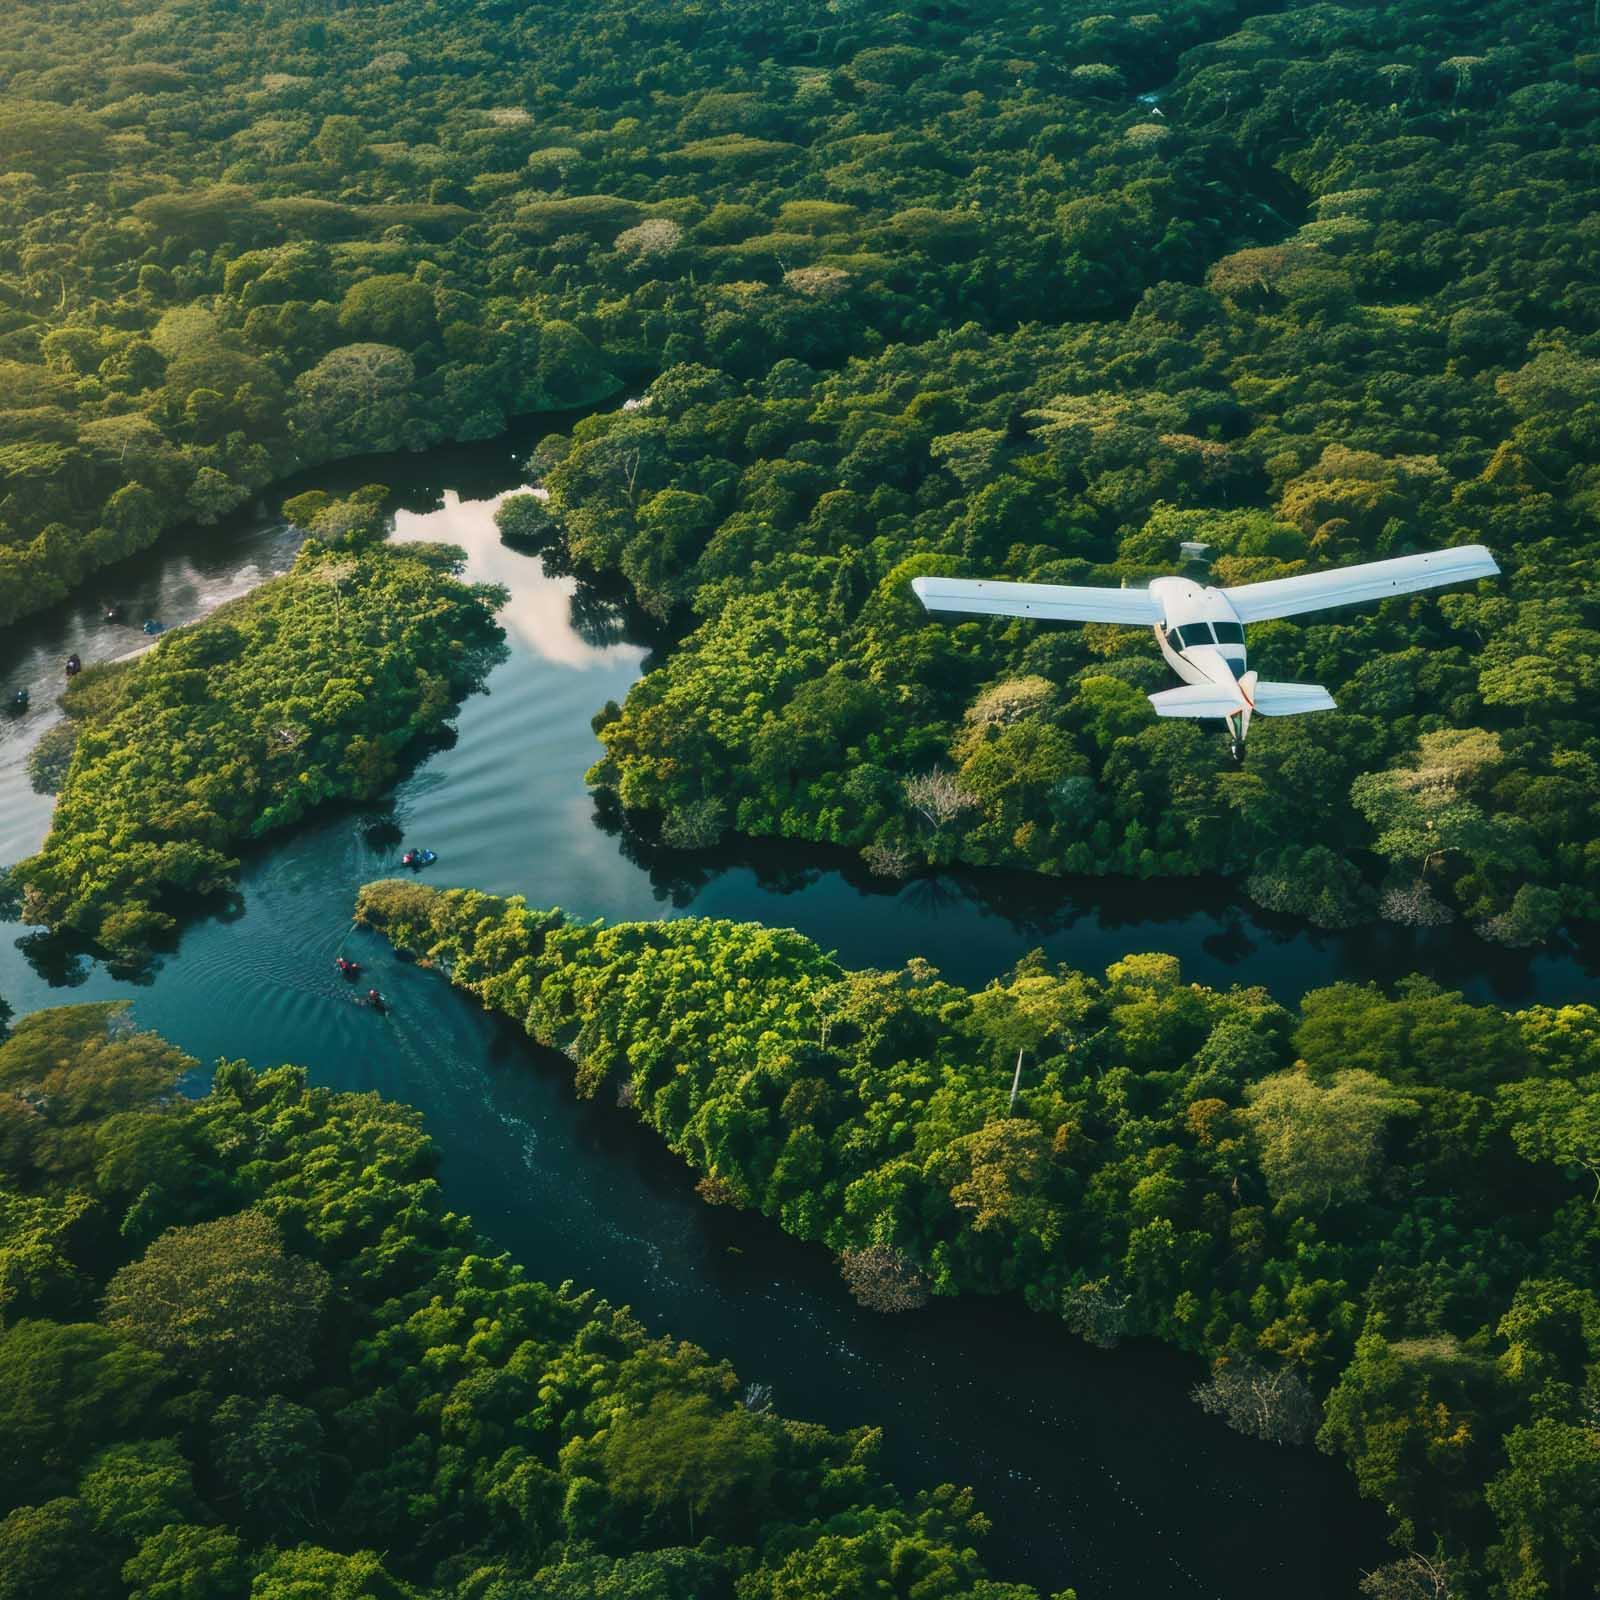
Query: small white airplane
(1201,630)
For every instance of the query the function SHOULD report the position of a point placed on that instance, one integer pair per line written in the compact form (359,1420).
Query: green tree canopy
(224,1300)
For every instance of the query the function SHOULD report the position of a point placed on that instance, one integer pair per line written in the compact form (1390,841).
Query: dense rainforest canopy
(1029,291)
(246,1351)
(237,239)
(312,687)
(1376,1216)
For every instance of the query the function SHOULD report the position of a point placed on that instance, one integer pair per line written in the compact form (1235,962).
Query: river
(1095,1467)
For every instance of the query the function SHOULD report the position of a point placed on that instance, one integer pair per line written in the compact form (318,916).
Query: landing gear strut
(1236,738)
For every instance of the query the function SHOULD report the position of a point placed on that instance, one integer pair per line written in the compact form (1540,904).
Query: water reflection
(541,611)
(974,923)
(1231,945)
(172,585)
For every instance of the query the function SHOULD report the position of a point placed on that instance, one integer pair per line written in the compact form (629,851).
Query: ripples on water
(1094,1465)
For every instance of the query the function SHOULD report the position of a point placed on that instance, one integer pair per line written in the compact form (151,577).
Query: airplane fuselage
(1200,634)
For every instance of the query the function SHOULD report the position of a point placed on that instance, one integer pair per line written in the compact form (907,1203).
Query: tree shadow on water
(381,832)
(600,619)
(58,961)
(1231,945)
(933,894)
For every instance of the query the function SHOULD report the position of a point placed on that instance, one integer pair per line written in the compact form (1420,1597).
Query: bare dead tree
(1271,1403)
(883,1278)
(335,575)
(1413,905)
(886,860)
(286,738)
(717,1191)
(938,796)
(1096,1312)
(1415,1577)
(627,466)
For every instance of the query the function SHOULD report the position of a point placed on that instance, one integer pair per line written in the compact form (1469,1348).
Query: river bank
(551,842)
(1096,1467)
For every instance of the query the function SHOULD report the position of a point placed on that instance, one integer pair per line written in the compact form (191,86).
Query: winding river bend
(1094,1466)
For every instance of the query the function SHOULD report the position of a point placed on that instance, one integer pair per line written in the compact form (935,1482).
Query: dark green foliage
(526,523)
(222,1300)
(69,1388)
(313,687)
(49,759)
(51,1549)
(1380,1213)
(71,1095)
(350,522)
(494,1437)
(926,290)
(910,291)
(239,243)
(132,1490)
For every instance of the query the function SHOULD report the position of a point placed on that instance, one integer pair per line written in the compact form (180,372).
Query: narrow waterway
(1095,1468)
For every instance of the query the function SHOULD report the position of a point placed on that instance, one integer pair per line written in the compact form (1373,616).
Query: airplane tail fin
(1291,699)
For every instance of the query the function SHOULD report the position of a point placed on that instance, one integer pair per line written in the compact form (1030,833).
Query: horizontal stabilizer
(1290,699)
(1270,699)
(1197,700)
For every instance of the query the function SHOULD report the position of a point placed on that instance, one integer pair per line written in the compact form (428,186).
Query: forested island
(313,687)
(830,297)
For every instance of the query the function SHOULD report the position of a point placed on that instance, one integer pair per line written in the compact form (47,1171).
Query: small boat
(153,627)
(74,664)
(347,969)
(418,858)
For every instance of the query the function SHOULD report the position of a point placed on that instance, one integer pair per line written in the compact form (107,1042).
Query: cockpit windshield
(1192,634)
(1229,632)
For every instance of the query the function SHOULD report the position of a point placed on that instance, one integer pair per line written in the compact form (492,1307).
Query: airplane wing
(1348,586)
(1049,602)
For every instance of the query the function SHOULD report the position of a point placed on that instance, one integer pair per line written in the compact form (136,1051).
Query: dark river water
(1094,1466)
